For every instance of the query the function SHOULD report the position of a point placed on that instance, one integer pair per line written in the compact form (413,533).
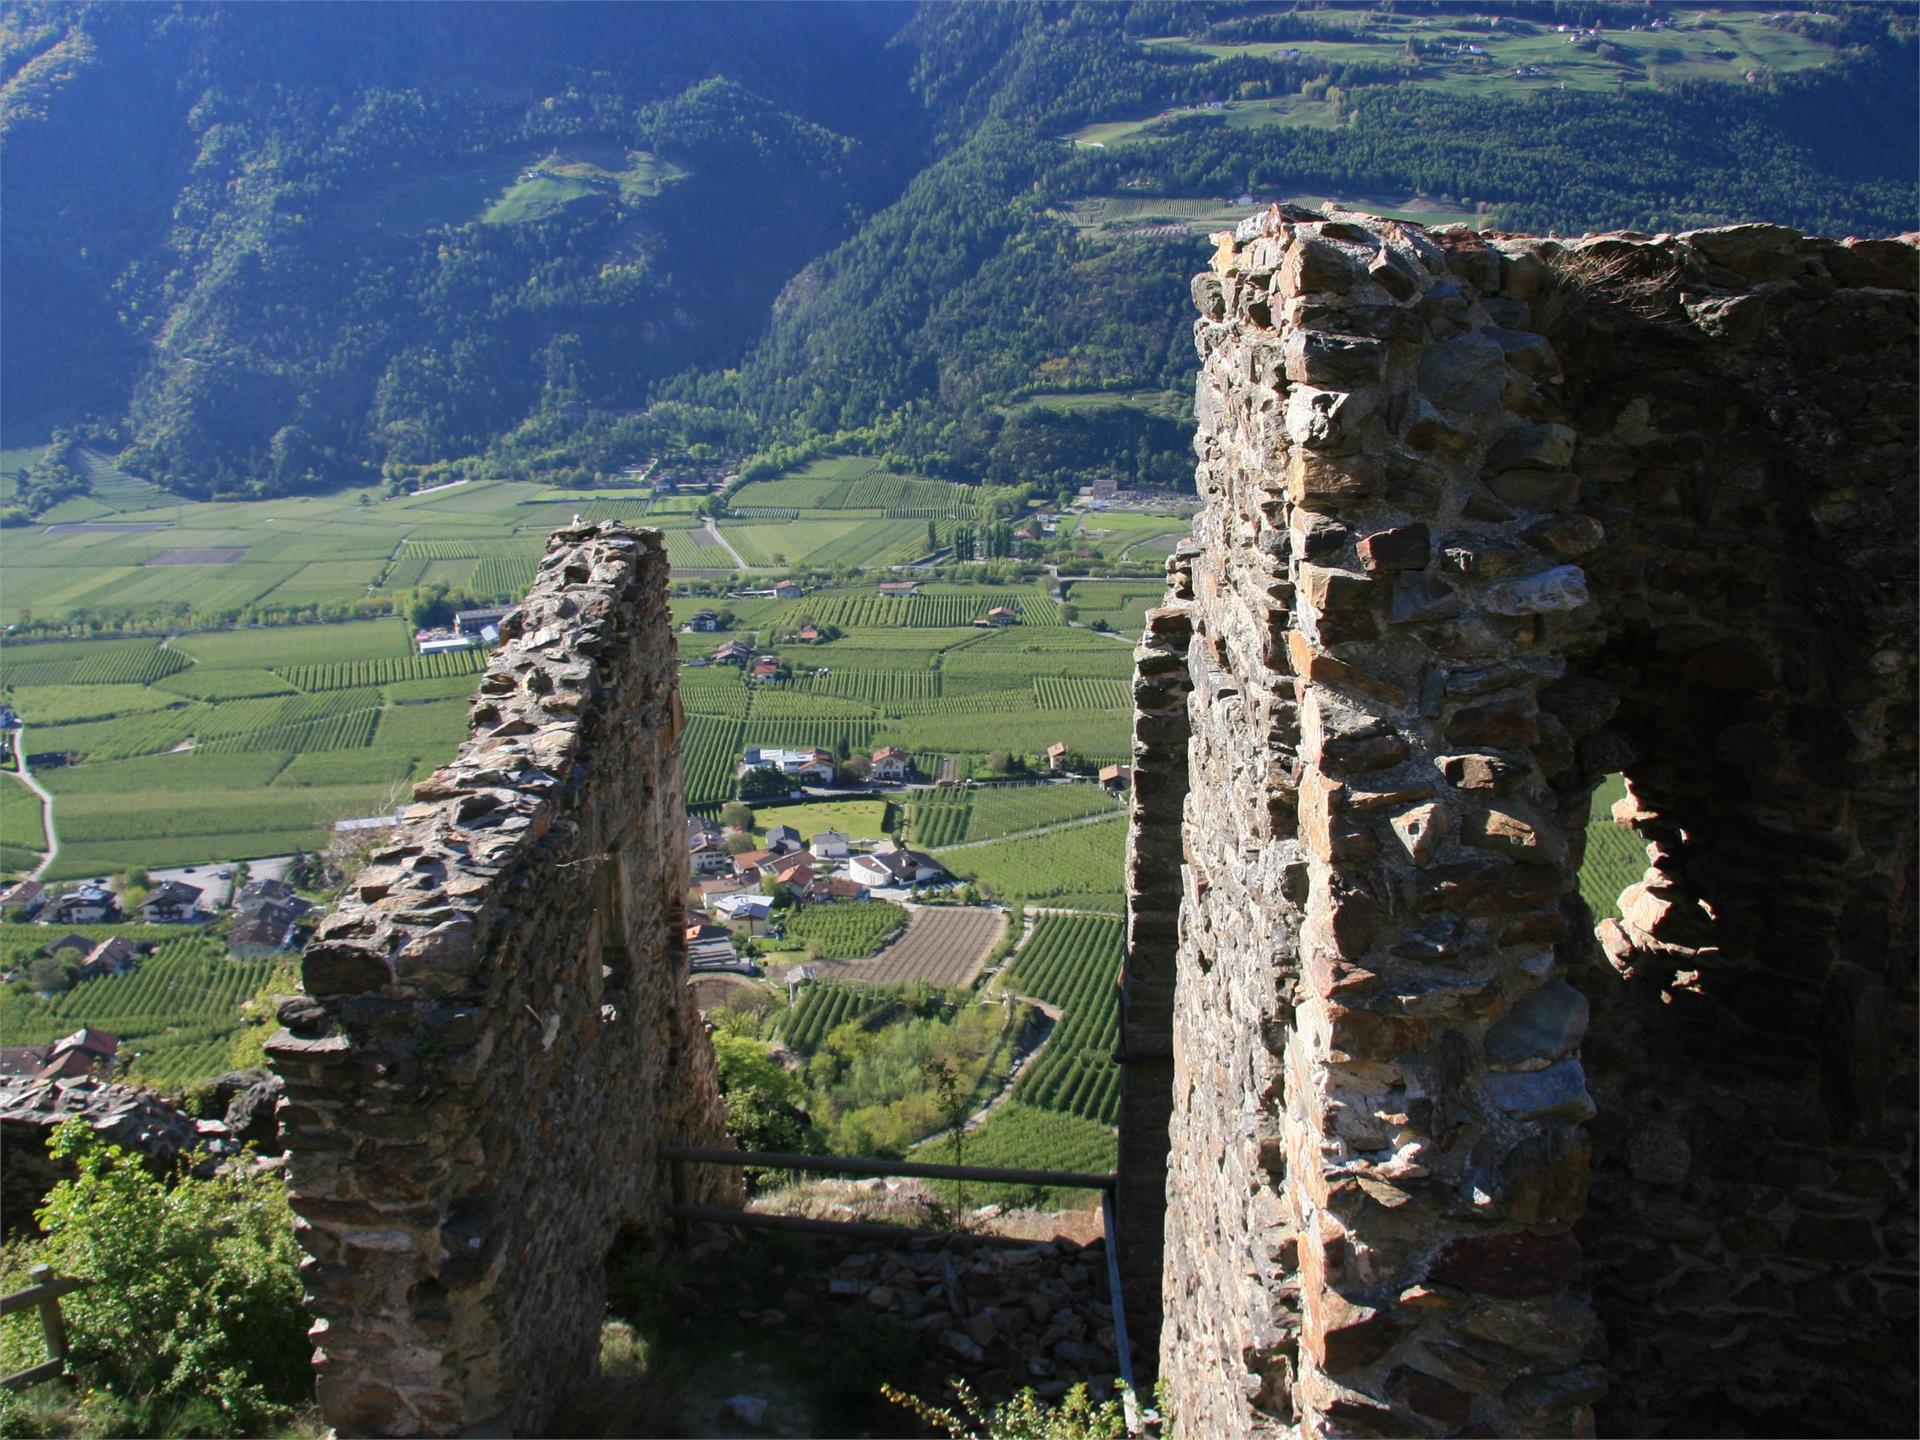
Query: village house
(85,1052)
(262,931)
(890,763)
(703,620)
(782,838)
(82,905)
(764,669)
(479,623)
(786,590)
(79,945)
(789,870)
(899,588)
(710,947)
(811,766)
(751,911)
(261,892)
(709,857)
(829,845)
(895,869)
(732,653)
(748,862)
(170,902)
(1002,615)
(1059,757)
(828,890)
(1116,779)
(109,957)
(809,634)
(700,830)
(25,897)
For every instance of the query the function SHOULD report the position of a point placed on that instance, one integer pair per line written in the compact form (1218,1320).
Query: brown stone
(1319,668)
(1513,829)
(1404,547)
(1508,1267)
(1483,771)
(1510,723)
(1431,1396)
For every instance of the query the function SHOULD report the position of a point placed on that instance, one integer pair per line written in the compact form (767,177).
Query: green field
(1616,856)
(953,817)
(1073,962)
(1076,869)
(856,819)
(845,932)
(1023,1137)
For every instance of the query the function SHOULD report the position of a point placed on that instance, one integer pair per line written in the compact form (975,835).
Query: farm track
(1024,834)
(46,806)
(724,543)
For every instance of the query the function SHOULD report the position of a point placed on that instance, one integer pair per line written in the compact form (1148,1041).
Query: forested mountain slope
(279,248)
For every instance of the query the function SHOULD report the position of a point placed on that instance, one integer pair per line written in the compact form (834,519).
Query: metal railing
(45,1291)
(684,1214)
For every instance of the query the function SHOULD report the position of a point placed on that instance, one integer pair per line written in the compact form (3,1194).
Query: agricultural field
(828,1004)
(845,931)
(23,840)
(177,1015)
(943,945)
(1616,856)
(951,817)
(1078,868)
(1017,1136)
(1072,963)
(856,819)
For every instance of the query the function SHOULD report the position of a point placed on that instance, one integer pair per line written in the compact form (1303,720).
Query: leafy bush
(1025,1417)
(193,1319)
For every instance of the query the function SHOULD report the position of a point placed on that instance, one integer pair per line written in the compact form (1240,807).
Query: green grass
(856,819)
(21,833)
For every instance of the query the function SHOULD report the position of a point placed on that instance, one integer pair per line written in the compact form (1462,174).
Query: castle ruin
(1408,1147)
(1487,520)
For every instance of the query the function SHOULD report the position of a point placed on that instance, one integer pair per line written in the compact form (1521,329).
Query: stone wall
(496,1031)
(1485,521)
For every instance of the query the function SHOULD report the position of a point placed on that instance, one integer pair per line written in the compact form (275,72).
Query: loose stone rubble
(496,1030)
(1487,519)
(137,1119)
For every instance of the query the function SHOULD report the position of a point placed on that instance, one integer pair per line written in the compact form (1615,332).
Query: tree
(49,975)
(740,843)
(195,1305)
(763,782)
(735,816)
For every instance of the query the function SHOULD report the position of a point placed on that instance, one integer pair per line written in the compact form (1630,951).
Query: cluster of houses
(824,870)
(97,958)
(267,918)
(470,628)
(85,1052)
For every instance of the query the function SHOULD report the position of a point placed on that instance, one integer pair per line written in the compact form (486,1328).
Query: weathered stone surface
(516,945)
(1672,521)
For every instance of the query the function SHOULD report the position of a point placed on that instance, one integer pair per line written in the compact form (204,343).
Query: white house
(889,763)
(829,845)
(782,838)
(810,766)
(746,909)
(894,869)
(709,857)
(82,905)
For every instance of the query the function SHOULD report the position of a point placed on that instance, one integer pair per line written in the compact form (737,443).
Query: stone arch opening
(1485,521)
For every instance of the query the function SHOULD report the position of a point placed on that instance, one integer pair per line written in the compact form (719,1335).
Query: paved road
(46,804)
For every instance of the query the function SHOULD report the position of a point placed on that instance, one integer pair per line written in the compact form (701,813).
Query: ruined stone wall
(1484,522)
(496,1032)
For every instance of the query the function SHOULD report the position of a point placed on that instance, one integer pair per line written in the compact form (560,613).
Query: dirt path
(725,544)
(1027,834)
(46,804)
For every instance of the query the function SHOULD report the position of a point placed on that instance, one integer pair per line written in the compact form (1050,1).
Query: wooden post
(50,1319)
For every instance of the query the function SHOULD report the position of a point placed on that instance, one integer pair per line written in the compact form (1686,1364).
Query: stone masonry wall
(496,1030)
(1486,520)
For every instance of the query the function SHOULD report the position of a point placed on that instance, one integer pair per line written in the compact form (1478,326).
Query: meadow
(1072,963)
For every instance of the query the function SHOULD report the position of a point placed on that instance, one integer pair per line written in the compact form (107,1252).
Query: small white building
(829,845)
(890,763)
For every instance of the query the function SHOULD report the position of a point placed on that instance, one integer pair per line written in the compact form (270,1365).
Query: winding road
(46,804)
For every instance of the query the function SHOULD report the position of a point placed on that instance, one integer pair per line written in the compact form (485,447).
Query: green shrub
(194,1310)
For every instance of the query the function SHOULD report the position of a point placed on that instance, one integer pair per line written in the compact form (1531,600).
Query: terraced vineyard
(1077,868)
(708,751)
(1024,1137)
(350,674)
(176,1014)
(945,610)
(951,817)
(1072,962)
(826,1004)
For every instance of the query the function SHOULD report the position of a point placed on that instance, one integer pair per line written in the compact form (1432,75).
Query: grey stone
(1558,1092)
(1540,1029)
(1562,588)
